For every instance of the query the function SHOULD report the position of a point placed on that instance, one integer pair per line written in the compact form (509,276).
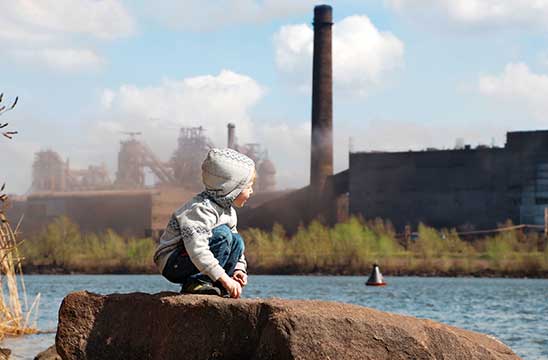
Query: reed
(16,317)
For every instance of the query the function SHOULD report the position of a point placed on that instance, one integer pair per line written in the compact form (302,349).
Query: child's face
(245,194)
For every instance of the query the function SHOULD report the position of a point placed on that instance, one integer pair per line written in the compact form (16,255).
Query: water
(513,310)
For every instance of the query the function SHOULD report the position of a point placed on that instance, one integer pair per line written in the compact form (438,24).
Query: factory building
(477,188)
(127,205)
(472,188)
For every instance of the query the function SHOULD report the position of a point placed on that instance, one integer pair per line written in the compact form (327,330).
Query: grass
(16,317)
(353,246)
(61,246)
(347,248)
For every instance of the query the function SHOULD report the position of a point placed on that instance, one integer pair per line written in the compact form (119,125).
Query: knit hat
(225,173)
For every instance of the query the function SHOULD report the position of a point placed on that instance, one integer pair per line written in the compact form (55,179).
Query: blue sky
(409,74)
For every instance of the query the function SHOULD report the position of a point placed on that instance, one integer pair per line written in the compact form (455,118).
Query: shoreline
(485,273)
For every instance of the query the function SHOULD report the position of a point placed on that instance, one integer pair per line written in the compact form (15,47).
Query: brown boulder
(172,326)
(48,354)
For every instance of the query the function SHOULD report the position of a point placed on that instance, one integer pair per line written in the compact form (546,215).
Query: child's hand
(240,277)
(232,286)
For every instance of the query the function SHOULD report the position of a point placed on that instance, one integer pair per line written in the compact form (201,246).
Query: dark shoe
(224,293)
(200,287)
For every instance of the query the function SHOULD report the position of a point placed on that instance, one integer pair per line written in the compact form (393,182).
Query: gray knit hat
(225,173)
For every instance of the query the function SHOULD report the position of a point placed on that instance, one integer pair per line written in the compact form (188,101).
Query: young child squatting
(200,247)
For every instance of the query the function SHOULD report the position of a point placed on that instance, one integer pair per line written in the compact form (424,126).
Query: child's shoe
(224,292)
(200,287)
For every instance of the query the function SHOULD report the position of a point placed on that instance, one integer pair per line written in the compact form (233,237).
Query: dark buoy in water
(375,279)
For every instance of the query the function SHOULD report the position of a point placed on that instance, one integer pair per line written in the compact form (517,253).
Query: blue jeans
(226,246)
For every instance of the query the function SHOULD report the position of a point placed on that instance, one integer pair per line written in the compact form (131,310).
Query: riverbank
(421,270)
(348,248)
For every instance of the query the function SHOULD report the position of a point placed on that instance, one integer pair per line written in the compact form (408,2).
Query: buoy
(375,279)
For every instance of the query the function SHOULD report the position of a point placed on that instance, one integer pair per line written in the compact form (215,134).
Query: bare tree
(13,320)
(9,135)
(4,109)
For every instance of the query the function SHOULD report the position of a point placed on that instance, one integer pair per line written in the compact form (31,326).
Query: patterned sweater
(190,226)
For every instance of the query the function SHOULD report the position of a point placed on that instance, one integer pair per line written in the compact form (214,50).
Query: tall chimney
(321,159)
(231,128)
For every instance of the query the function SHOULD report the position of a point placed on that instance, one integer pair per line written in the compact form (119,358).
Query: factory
(127,204)
(462,188)
(472,188)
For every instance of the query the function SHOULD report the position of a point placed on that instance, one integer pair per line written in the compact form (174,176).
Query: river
(513,310)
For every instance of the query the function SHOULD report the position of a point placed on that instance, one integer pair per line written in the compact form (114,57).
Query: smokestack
(321,158)
(231,128)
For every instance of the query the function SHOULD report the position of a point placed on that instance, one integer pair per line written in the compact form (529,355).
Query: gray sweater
(191,225)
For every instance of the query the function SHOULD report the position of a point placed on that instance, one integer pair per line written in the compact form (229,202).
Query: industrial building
(127,204)
(473,188)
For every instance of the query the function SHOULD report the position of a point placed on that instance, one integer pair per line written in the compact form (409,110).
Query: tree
(4,109)
(13,320)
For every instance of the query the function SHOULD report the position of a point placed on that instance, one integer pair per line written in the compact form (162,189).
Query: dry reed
(16,318)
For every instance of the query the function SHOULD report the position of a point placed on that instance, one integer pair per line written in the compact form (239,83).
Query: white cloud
(28,19)
(159,111)
(478,13)
(517,86)
(62,59)
(362,55)
(211,101)
(200,15)
(51,32)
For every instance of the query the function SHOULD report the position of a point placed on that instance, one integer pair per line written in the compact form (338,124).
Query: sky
(408,75)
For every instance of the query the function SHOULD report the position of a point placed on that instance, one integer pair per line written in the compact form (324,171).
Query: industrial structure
(321,149)
(477,188)
(472,188)
(128,204)
(50,173)
(266,172)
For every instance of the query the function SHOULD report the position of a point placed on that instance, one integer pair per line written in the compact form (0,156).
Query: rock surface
(172,326)
(5,353)
(48,354)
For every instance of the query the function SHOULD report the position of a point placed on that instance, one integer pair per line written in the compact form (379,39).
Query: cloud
(517,86)
(62,59)
(363,56)
(30,20)
(51,32)
(199,15)
(159,111)
(488,14)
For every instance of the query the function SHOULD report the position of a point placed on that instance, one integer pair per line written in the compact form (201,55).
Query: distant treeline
(347,248)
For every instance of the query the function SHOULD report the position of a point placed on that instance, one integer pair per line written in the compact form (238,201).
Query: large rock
(48,354)
(171,326)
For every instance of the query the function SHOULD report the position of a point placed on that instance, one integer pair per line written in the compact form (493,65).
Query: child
(201,248)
